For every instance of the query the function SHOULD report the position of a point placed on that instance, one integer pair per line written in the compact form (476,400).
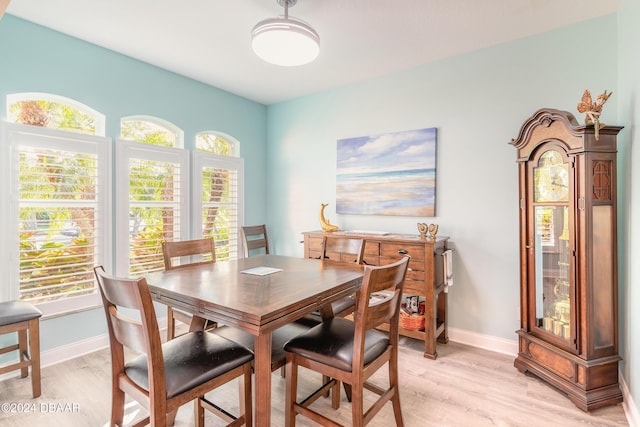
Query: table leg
(262,369)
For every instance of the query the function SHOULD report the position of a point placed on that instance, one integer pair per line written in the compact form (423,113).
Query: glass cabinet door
(551,256)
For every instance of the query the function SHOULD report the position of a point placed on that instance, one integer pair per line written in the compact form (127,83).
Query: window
(216,143)
(59,221)
(151,130)
(54,112)
(152,192)
(218,180)
(55,213)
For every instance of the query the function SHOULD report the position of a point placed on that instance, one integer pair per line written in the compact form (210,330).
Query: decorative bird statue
(593,109)
(324,223)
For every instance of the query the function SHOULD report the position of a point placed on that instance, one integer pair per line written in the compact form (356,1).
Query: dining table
(258,295)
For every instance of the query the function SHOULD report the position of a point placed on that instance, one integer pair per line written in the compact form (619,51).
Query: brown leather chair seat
(191,360)
(279,337)
(331,343)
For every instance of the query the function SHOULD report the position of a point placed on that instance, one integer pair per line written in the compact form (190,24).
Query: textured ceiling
(209,40)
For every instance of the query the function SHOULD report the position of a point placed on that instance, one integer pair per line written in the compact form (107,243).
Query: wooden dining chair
(23,318)
(164,377)
(344,250)
(351,351)
(179,255)
(255,240)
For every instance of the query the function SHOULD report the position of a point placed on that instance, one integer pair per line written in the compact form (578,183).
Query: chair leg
(291,393)
(347,391)
(198,415)
(246,397)
(335,395)
(34,347)
(394,384)
(117,404)
(23,349)
(357,406)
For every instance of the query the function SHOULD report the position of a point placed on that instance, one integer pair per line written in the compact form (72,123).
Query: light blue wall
(36,59)
(628,97)
(478,102)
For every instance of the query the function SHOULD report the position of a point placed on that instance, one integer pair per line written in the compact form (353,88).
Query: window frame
(125,150)
(201,159)
(13,135)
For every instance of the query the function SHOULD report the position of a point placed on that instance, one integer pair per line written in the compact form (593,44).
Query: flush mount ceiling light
(285,41)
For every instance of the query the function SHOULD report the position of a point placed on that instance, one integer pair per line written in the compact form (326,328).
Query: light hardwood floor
(465,386)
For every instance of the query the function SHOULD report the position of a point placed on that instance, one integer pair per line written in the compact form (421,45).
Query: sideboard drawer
(397,250)
(414,264)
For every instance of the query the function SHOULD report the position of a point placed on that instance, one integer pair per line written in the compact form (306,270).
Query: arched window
(217,143)
(151,130)
(54,112)
(218,180)
(152,192)
(57,227)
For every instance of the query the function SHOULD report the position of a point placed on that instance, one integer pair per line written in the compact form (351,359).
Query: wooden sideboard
(425,275)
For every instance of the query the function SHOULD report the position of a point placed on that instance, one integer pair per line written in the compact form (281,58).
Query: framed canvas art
(388,174)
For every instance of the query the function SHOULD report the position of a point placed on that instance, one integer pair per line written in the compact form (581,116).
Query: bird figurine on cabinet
(593,109)
(324,223)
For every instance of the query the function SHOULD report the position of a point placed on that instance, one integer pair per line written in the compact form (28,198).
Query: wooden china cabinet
(568,260)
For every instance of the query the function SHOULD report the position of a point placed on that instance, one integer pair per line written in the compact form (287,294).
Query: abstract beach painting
(388,174)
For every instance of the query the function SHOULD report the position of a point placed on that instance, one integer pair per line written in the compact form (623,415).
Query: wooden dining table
(258,295)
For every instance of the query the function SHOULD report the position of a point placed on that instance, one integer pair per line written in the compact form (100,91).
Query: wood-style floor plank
(464,387)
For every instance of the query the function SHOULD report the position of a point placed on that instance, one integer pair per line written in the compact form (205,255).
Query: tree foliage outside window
(147,131)
(51,114)
(214,144)
(219,196)
(154,195)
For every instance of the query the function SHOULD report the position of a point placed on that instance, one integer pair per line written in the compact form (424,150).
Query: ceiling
(210,40)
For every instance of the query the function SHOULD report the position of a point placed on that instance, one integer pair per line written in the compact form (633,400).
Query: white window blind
(219,182)
(62,193)
(153,190)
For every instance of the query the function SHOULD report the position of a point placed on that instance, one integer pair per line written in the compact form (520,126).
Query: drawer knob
(402,251)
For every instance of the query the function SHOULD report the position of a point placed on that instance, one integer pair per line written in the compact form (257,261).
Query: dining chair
(255,240)
(179,255)
(23,318)
(343,250)
(351,351)
(163,377)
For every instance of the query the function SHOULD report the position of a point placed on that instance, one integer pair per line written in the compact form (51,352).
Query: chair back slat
(188,253)
(382,312)
(127,331)
(343,249)
(255,238)
(142,335)
(388,281)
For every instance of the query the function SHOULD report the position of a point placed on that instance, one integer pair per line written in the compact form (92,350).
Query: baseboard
(629,406)
(73,350)
(487,342)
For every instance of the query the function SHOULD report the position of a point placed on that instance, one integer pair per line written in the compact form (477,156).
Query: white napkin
(447,257)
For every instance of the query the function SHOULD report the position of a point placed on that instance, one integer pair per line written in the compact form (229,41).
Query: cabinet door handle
(402,251)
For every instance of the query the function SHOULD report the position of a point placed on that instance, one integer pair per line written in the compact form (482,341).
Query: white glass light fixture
(285,41)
